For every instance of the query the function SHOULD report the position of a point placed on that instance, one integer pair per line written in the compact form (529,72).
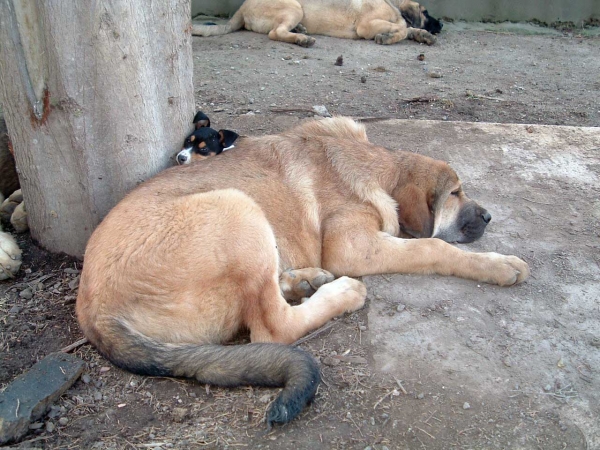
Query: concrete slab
(30,395)
(511,353)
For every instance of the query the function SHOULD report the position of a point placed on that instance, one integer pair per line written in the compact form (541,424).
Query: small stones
(421,396)
(401,307)
(321,110)
(50,427)
(180,414)
(363,79)
(434,73)
(339,61)
(421,57)
(466,405)
(548,388)
(63,421)
(27,294)
(86,378)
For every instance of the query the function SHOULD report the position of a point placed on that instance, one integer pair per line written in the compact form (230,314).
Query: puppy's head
(417,16)
(432,203)
(205,142)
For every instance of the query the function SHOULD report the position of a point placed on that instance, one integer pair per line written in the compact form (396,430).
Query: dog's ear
(201,120)
(227,137)
(415,213)
(411,13)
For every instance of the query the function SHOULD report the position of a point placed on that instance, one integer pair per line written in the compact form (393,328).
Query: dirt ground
(431,362)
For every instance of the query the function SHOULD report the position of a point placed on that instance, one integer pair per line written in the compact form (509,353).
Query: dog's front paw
(425,37)
(505,270)
(10,256)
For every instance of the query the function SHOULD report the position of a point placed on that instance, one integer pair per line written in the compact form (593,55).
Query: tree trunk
(98,97)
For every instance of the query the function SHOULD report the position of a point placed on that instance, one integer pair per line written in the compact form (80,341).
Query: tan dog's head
(417,16)
(432,203)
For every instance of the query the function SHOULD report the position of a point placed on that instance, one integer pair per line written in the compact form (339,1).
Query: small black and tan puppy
(205,141)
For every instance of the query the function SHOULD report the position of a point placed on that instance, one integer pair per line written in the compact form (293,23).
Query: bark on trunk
(98,97)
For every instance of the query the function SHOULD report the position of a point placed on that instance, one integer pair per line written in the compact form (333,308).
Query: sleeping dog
(204,141)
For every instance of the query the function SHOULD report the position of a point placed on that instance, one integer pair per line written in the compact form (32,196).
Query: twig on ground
(420,429)
(471,94)
(401,387)
(314,333)
(384,397)
(74,345)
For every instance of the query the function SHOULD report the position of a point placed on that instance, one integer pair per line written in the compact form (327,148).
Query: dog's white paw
(503,270)
(10,256)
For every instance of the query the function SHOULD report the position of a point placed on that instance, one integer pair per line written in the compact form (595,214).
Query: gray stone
(321,111)
(30,395)
(27,294)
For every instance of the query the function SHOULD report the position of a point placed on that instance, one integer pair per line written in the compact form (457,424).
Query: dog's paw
(352,293)
(305,41)
(10,256)
(299,29)
(302,283)
(505,270)
(18,219)
(384,38)
(425,37)
(8,206)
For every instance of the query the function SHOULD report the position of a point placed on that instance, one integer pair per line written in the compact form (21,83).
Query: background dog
(384,21)
(200,252)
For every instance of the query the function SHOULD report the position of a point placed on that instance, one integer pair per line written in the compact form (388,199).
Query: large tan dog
(200,252)
(385,21)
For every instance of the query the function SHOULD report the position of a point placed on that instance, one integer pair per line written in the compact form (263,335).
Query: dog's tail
(235,23)
(269,365)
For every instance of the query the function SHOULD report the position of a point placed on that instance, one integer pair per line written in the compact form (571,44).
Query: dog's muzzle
(184,156)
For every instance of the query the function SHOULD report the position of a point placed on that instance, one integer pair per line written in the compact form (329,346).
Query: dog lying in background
(384,21)
(204,142)
(10,254)
(200,252)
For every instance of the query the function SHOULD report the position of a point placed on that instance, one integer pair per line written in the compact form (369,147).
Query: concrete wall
(473,10)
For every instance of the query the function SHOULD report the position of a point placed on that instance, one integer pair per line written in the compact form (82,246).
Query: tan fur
(379,20)
(203,251)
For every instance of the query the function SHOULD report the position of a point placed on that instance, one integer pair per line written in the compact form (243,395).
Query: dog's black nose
(486,216)
(181,159)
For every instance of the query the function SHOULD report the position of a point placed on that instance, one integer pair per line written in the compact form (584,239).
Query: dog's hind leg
(286,21)
(285,324)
